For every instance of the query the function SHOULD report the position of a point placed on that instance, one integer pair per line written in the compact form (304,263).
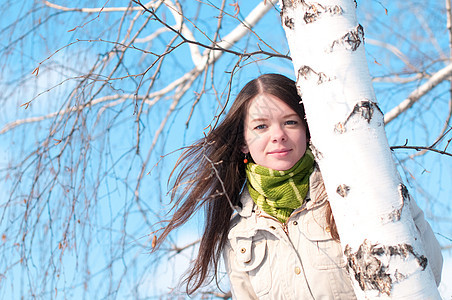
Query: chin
(282,166)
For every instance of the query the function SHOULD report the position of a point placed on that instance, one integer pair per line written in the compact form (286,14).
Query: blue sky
(113,210)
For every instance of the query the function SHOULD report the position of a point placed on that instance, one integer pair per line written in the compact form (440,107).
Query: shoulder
(317,194)
(243,222)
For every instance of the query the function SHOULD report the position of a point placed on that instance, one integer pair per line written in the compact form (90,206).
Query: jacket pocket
(251,257)
(323,251)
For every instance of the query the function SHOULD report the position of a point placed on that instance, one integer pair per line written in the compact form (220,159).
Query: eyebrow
(291,115)
(261,119)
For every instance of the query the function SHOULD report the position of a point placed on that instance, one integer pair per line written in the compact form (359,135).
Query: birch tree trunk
(369,202)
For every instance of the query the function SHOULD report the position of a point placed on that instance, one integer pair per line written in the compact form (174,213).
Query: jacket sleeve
(240,282)
(429,241)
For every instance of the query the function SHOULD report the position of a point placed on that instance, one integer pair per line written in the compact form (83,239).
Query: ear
(244,149)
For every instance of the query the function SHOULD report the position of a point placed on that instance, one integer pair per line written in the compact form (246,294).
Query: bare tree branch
(394,50)
(414,96)
(419,148)
(100,9)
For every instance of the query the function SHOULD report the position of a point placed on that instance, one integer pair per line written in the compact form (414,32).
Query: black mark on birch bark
(316,10)
(404,194)
(292,3)
(339,128)
(393,216)
(309,74)
(364,109)
(396,214)
(343,190)
(289,23)
(404,250)
(369,270)
(286,4)
(317,154)
(399,276)
(351,40)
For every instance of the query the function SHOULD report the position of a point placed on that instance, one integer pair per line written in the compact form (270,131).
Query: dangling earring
(245,161)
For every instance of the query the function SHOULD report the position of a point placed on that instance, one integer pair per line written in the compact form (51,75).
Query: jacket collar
(247,204)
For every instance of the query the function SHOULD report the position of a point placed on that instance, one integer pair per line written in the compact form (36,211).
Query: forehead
(264,105)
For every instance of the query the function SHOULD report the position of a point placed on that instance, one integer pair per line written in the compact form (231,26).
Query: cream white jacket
(266,260)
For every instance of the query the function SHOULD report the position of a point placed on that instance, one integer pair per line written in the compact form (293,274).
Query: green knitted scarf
(279,193)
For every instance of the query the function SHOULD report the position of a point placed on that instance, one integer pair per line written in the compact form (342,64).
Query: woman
(283,242)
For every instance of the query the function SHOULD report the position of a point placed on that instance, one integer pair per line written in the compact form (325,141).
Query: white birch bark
(368,200)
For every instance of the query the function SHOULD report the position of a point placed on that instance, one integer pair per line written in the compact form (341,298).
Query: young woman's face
(274,133)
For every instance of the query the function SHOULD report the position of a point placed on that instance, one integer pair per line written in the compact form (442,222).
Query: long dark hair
(211,174)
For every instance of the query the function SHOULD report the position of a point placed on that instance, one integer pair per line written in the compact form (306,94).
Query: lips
(280,152)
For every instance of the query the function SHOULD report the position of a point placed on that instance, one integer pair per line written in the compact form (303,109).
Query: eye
(291,122)
(260,127)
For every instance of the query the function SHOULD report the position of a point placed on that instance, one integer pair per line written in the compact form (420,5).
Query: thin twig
(419,148)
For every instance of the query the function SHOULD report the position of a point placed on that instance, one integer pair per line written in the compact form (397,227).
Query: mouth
(280,152)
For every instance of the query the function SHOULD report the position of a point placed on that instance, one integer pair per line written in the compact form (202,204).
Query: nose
(278,134)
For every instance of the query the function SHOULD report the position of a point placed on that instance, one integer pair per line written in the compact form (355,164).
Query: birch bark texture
(385,258)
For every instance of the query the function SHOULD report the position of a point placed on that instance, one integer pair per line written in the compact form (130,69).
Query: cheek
(256,146)
(249,140)
(303,136)
(302,141)
(246,138)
